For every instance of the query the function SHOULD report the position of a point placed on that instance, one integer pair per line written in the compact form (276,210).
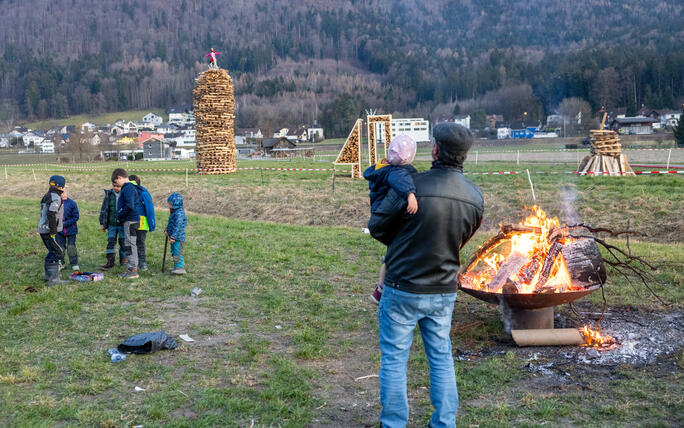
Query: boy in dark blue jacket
(175,230)
(127,209)
(393,173)
(147,221)
(67,237)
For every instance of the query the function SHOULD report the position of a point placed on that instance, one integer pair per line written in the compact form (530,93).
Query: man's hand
(412,207)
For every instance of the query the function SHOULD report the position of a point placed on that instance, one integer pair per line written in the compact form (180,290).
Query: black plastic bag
(146,343)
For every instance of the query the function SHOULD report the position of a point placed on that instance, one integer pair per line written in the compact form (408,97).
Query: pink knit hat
(402,150)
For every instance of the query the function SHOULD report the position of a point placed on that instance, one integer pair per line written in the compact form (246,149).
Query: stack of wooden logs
(385,119)
(606,155)
(214,107)
(351,151)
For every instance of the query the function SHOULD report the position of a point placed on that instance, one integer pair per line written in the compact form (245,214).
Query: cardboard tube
(547,337)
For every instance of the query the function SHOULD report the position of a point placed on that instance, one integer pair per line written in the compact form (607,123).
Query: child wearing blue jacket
(175,230)
(67,237)
(147,221)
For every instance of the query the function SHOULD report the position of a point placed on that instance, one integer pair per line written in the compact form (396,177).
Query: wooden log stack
(214,107)
(606,155)
(386,120)
(351,151)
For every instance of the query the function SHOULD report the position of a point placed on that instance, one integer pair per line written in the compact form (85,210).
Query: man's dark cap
(453,141)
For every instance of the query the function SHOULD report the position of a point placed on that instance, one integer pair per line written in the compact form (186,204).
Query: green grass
(99,119)
(283,325)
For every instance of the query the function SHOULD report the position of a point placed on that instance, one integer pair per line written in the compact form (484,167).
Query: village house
(33,138)
(268,145)
(639,125)
(315,132)
(670,118)
(155,148)
(47,146)
(145,135)
(88,127)
(250,133)
(153,119)
(182,115)
(4,141)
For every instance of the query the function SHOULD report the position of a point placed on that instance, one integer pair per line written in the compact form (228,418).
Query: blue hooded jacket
(70,218)
(383,178)
(129,205)
(177,218)
(146,210)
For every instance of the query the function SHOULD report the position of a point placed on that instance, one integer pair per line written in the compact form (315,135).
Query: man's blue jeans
(398,314)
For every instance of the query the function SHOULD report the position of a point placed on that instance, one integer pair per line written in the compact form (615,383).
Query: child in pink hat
(394,173)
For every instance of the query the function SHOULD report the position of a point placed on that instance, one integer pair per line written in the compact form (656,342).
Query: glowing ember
(594,338)
(527,259)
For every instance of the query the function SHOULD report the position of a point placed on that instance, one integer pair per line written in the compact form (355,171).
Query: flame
(594,338)
(528,244)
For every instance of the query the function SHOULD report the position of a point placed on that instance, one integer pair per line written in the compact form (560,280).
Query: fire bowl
(530,301)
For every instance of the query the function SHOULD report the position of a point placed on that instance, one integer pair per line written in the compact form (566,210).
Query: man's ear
(435,151)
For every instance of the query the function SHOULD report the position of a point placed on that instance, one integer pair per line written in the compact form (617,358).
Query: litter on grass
(87,276)
(186,338)
(146,343)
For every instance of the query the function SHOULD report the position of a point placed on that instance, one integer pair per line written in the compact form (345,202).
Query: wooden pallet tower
(606,155)
(351,151)
(373,137)
(214,107)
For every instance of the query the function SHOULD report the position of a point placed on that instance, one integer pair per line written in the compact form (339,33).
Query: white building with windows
(416,128)
(152,119)
(47,146)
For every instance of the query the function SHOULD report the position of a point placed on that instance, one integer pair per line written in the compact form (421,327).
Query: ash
(641,339)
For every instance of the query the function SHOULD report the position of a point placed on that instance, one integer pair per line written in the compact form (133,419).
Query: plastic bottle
(116,355)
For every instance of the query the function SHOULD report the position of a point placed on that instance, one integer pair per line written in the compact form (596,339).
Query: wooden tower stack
(606,155)
(214,107)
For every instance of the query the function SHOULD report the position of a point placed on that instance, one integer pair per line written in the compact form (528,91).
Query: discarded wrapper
(87,276)
(186,338)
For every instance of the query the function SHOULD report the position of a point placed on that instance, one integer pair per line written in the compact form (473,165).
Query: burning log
(585,262)
(510,267)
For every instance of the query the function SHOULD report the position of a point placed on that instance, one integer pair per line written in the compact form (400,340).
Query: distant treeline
(299,61)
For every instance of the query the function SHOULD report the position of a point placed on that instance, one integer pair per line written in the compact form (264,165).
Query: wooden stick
(547,337)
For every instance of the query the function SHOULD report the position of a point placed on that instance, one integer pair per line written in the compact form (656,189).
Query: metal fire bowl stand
(530,311)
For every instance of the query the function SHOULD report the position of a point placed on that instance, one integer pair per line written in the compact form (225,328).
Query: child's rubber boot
(178,271)
(52,274)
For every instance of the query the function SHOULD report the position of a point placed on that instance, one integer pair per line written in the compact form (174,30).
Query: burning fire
(594,338)
(518,263)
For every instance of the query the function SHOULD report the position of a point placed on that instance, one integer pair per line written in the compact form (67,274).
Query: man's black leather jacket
(423,249)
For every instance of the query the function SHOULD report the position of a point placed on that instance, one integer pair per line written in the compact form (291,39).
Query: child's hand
(166,232)
(103,228)
(171,240)
(412,207)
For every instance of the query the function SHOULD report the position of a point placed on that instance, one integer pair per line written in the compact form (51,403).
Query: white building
(47,146)
(417,128)
(33,138)
(153,119)
(463,121)
(88,126)
(315,133)
(670,118)
(503,133)
(4,141)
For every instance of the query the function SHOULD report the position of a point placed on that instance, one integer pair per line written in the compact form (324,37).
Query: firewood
(585,262)
(351,151)
(386,119)
(508,268)
(214,108)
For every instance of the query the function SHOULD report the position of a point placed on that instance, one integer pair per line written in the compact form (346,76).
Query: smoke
(505,315)
(568,201)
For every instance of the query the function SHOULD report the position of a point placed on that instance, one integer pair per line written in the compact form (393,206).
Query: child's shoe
(130,274)
(142,267)
(123,262)
(75,268)
(376,294)
(178,271)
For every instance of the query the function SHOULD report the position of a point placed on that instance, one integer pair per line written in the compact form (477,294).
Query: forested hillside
(298,61)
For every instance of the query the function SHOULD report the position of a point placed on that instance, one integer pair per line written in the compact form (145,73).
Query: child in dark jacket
(114,229)
(393,173)
(67,237)
(175,230)
(127,213)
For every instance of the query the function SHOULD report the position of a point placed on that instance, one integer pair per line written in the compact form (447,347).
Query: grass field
(284,326)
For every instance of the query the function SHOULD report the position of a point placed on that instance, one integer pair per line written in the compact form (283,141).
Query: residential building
(155,148)
(670,118)
(33,138)
(47,146)
(145,135)
(463,120)
(181,115)
(88,127)
(315,133)
(638,125)
(250,132)
(4,141)
(417,128)
(269,144)
(153,119)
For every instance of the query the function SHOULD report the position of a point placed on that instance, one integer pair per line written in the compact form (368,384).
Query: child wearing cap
(395,172)
(51,212)
(67,237)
